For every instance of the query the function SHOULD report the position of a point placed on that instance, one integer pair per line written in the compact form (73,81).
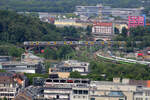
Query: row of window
(80,97)
(80,91)
(7,90)
(6,94)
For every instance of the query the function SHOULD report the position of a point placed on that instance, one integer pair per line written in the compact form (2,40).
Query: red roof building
(102,28)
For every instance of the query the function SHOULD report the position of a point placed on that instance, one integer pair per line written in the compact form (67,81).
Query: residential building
(5,58)
(38,81)
(66,89)
(29,64)
(116,91)
(30,93)
(10,84)
(143,93)
(22,67)
(64,68)
(134,21)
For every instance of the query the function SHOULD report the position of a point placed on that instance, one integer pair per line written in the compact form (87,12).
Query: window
(139,98)
(80,91)
(85,92)
(92,98)
(75,91)
(147,93)
(74,97)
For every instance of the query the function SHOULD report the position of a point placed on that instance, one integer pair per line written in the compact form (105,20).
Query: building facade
(101,11)
(134,21)
(64,68)
(22,67)
(10,84)
(66,89)
(103,30)
(88,10)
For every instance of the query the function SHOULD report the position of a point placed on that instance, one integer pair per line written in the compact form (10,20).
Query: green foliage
(116,30)
(1,70)
(5,98)
(54,53)
(89,30)
(10,50)
(15,52)
(70,32)
(49,53)
(75,74)
(133,71)
(139,33)
(124,31)
(15,28)
(60,5)
(31,76)
(18,28)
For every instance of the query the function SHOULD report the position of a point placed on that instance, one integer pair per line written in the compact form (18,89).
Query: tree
(15,52)
(116,30)
(75,74)
(124,31)
(5,98)
(50,54)
(89,30)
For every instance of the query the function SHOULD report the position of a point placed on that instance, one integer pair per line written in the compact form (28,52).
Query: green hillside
(61,5)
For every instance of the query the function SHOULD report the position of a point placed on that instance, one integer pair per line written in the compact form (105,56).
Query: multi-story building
(68,22)
(112,90)
(101,10)
(10,84)
(134,21)
(64,68)
(103,30)
(143,93)
(22,67)
(30,93)
(122,13)
(5,58)
(67,89)
(29,64)
(88,10)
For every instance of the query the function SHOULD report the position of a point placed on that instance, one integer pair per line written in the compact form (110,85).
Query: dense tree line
(18,28)
(15,28)
(141,34)
(61,5)
(107,70)
(58,53)
(10,50)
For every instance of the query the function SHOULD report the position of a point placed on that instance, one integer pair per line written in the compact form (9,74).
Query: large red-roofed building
(102,28)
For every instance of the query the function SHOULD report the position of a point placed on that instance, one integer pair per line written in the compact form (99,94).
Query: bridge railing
(47,43)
